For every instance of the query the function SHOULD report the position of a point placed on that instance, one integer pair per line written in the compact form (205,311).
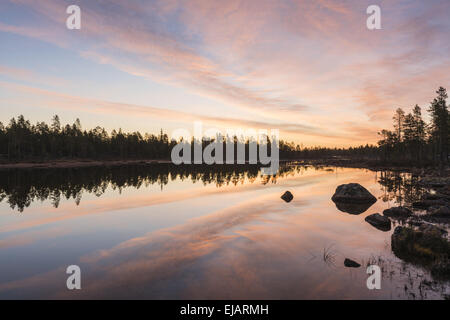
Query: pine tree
(56,124)
(419,135)
(420,126)
(409,133)
(439,125)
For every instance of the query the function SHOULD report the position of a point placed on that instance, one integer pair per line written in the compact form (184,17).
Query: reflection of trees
(400,187)
(19,188)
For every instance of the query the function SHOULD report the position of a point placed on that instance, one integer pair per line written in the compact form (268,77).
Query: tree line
(20,140)
(411,141)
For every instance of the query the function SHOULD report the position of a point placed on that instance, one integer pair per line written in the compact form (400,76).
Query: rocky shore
(421,236)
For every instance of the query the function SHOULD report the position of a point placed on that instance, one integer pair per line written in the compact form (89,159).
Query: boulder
(287,196)
(378,221)
(353,193)
(397,212)
(351,264)
(419,246)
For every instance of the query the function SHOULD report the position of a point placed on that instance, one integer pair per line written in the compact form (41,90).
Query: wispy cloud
(60,101)
(310,66)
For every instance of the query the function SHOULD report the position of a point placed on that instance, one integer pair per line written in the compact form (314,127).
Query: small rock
(351,264)
(397,212)
(353,193)
(378,221)
(287,196)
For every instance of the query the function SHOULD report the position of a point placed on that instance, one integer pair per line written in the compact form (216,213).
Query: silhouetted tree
(399,120)
(413,140)
(439,125)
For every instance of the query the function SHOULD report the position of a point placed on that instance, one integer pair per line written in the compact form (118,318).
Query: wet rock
(419,246)
(424,204)
(378,221)
(353,193)
(397,212)
(437,214)
(351,264)
(287,196)
(439,211)
(435,182)
(431,229)
(353,208)
(414,221)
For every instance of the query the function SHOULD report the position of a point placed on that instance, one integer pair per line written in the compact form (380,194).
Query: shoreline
(62,164)
(373,165)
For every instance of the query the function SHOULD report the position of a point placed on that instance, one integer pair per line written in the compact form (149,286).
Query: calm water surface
(169,232)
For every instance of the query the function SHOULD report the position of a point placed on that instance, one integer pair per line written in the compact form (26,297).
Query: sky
(311,69)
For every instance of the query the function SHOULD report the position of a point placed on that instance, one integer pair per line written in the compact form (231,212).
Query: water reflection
(401,187)
(19,188)
(353,208)
(200,232)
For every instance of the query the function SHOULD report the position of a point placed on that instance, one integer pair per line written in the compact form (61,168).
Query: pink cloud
(313,63)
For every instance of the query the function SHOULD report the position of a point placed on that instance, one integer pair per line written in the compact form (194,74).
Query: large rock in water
(426,246)
(353,193)
(420,246)
(379,222)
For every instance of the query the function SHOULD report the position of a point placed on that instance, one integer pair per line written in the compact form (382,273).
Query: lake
(200,232)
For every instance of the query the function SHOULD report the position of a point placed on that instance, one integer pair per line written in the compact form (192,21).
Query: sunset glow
(309,68)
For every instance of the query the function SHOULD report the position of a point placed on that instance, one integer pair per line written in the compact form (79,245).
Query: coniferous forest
(412,140)
(416,141)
